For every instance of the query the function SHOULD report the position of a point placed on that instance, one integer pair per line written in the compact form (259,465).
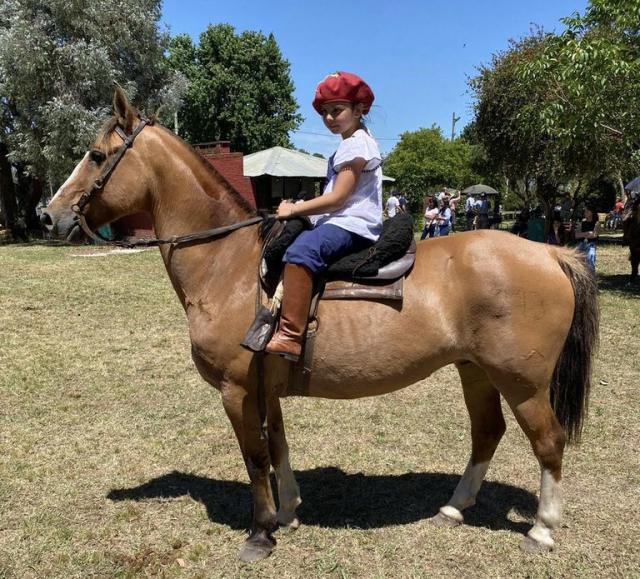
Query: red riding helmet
(343,86)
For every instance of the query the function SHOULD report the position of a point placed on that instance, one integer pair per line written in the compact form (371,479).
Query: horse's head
(107,183)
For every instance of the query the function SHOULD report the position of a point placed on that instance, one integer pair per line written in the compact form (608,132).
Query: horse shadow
(619,283)
(333,498)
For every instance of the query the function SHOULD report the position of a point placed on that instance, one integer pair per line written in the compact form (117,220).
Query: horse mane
(111,123)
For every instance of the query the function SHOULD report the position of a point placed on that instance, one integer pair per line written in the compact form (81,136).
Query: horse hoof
(288,525)
(253,551)
(533,547)
(443,521)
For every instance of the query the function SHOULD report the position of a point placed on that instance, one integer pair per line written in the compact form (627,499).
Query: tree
(240,89)
(58,61)
(592,76)
(507,120)
(423,160)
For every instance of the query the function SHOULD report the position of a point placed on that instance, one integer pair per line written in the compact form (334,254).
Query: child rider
(350,207)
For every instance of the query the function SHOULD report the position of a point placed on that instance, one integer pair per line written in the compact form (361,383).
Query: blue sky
(416,55)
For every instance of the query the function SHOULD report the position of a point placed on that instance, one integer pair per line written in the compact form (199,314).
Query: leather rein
(100,182)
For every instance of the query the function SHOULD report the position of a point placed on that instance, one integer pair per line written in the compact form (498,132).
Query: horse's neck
(187,198)
(187,195)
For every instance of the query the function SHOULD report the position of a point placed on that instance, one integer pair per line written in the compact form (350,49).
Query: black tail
(571,380)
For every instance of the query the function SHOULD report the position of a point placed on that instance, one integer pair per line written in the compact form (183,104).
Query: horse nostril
(46,221)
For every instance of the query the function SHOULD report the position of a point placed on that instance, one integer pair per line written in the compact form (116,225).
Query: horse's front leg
(241,406)
(288,490)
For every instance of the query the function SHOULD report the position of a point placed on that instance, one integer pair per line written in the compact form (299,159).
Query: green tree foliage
(424,160)
(591,74)
(239,89)
(564,109)
(508,124)
(58,61)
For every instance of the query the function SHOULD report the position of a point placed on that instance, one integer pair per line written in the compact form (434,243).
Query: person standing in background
(393,205)
(470,211)
(483,212)
(453,203)
(444,217)
(403,202)
(587,234)
(430,219)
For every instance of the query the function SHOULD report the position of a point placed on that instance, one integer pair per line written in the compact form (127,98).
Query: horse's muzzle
(62,227)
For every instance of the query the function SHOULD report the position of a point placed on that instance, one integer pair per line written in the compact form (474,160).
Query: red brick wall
(229,165)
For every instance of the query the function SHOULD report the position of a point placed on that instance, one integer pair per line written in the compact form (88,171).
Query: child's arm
(346,181)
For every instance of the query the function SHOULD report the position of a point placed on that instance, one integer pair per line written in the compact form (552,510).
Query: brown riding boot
(298,286)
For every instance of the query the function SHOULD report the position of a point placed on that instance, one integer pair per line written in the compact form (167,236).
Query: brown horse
(517,318)
(631,235)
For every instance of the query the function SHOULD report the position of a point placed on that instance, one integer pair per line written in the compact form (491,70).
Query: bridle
(101,181)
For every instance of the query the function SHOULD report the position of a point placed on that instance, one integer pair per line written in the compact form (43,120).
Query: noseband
(100,182)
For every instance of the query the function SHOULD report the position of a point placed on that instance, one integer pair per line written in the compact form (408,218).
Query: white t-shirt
(362,212)
(392,206)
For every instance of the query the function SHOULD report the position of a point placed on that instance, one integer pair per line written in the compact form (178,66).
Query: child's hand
(285,210)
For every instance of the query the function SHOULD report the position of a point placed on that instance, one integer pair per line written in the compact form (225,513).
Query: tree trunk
(621,190)
(8,204)
(34,195)
(30,190)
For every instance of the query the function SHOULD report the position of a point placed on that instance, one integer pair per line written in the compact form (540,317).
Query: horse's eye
(97,156)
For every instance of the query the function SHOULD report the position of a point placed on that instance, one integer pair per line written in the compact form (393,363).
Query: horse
(631,235)
(518,319)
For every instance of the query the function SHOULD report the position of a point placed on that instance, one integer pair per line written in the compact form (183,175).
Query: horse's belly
(374,349)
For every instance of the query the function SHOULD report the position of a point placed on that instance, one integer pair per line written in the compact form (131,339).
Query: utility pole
(175,122)
(454,120)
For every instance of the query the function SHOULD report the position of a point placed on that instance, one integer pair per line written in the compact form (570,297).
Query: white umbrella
(479,189)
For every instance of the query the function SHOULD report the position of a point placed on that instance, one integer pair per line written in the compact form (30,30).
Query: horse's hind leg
(487,427)
(634,258)
(288,490)
(547,438)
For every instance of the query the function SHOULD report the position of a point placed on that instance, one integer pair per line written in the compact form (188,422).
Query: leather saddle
(376,273)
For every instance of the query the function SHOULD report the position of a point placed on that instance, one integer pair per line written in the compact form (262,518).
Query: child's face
(342,117)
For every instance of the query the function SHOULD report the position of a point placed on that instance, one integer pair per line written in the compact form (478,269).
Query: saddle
(373,273)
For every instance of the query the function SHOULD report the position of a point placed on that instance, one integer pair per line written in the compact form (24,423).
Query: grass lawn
(116,459)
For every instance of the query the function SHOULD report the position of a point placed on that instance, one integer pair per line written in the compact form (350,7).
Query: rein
(100,182)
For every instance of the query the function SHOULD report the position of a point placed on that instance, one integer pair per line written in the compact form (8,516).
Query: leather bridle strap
(100,182)
(174,240)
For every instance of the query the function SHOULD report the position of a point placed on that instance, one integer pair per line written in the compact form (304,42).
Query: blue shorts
(321,246)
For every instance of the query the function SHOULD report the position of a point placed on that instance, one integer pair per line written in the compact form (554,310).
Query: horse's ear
(123,110)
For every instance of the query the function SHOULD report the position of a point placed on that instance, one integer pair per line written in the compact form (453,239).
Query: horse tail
(571,379)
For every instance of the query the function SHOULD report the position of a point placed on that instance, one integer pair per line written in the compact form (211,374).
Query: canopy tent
(479,189)
(633,185)
(281,162)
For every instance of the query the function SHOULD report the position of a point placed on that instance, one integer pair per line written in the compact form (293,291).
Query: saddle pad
(346,290)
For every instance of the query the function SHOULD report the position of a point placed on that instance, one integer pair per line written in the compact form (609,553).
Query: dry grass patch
(116,459)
